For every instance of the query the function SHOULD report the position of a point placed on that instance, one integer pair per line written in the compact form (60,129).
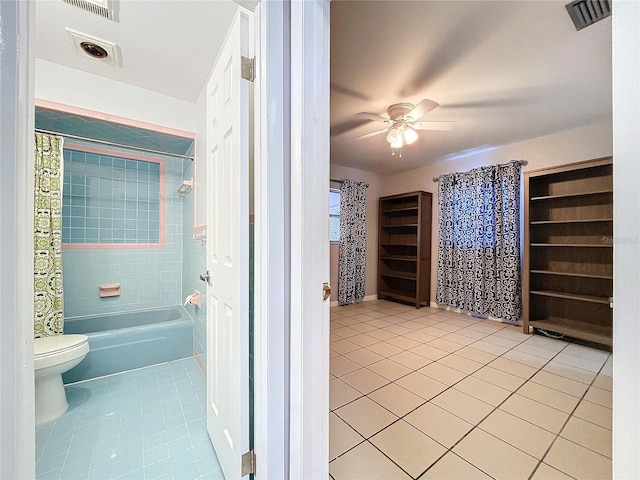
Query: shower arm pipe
(112,144)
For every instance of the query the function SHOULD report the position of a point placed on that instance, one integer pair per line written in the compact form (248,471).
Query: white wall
(584,143)
(339,172)
(57,83)
(626,248)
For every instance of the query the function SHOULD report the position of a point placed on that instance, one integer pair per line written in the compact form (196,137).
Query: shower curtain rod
(112,144)
(520,162)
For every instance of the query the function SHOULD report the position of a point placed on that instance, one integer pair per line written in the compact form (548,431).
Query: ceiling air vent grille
(98,7)
(587,12)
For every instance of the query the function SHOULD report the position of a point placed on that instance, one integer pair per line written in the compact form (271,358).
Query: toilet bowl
(54,356)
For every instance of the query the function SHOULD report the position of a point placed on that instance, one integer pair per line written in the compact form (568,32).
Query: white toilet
(54,356)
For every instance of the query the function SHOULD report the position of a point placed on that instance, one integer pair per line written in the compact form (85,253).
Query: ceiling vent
(102,8)
(587,12)
(95,48)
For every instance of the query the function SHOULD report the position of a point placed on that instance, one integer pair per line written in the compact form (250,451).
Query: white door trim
(309,367)
(626,234)
(272,249)
(17,417)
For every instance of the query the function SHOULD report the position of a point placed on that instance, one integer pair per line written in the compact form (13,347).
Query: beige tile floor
(432,394)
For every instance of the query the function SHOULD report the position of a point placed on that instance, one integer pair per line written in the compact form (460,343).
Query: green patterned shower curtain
(47,264)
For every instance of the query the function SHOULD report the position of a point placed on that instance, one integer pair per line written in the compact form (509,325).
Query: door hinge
(249,463)
(249,68)
(610,302)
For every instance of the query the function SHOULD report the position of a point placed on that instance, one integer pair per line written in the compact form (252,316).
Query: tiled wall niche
(110,199)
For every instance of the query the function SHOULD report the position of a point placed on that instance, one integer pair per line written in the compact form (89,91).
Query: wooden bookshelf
(404,258)
(568,254)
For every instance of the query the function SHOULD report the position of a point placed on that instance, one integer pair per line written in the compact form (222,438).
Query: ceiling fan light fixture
(392,136)
(398,142)
(410,136)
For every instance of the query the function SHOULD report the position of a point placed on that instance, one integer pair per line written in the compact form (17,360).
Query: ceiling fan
(403,122)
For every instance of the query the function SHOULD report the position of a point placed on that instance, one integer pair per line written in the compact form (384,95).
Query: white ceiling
(166,46)
(504,71)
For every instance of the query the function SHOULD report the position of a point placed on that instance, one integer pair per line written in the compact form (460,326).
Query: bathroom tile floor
(432,394)
(143,424)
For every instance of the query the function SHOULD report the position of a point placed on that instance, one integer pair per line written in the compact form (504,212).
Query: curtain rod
(112,144)
(520,162)
(341,181)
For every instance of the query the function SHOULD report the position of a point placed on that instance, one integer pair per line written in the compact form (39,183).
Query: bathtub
(124,341)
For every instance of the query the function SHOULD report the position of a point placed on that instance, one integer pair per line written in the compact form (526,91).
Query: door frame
(17,404)
(291,328)
(309,389)
(271,279)
(626,234)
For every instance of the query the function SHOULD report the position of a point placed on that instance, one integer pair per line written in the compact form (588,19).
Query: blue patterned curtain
(479,241)
(353,242)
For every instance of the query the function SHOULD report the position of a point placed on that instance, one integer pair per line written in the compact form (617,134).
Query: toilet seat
(57,344)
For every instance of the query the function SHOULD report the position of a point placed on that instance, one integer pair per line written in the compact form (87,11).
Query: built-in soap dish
(109,290)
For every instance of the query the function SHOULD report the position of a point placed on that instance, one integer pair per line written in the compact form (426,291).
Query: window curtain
(479,241)
(48,319)
(353,242)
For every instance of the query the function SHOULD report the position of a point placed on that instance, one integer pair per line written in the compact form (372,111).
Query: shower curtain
(479,241)
(48,318)
(353,242)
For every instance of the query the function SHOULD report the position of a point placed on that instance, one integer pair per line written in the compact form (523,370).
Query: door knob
(326,291)
(205,277)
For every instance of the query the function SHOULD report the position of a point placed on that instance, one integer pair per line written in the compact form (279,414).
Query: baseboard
(365,299)
(488,317)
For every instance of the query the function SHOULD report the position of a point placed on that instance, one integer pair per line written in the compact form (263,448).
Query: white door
(227,149)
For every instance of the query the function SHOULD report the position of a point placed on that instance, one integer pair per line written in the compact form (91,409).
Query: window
(334,215)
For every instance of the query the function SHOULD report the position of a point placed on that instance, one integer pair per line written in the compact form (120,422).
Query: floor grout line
(476,425)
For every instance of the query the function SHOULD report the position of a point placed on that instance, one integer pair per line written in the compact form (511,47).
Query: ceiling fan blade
(432,125)
(373,116)
(371,134)
(424,107)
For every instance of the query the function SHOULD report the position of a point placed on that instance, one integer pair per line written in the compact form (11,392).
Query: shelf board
(578,245)
(567,274)
(399,296)
(403,258)
(408,225)
(553,222)
(572,195)
(571,296)
(403,275)
(401,210)
(575,329)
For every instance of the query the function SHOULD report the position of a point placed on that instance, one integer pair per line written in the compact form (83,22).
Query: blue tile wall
(194,263)
(110,199)
(150,278)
